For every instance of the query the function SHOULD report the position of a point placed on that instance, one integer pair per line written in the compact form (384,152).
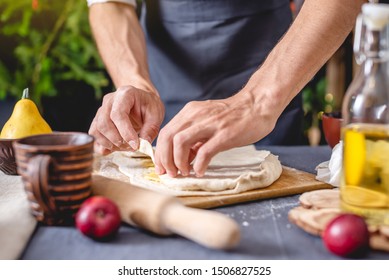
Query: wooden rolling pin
(165,215)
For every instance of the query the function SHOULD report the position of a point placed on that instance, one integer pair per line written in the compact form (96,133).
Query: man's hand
(205,128)
(213,126)
(125,114)
(130,110)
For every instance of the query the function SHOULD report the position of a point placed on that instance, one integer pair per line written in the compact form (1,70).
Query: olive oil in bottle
(364,185)
(365,180)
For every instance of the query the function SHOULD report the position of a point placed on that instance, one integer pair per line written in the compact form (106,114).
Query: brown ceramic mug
(7,157)
(56,171)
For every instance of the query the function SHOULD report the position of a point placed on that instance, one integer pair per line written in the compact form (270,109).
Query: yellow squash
(25,120)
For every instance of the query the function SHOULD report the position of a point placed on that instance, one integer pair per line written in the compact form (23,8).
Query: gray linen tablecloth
(266,232)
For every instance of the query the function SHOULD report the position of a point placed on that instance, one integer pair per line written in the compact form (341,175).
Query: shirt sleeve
(130,2)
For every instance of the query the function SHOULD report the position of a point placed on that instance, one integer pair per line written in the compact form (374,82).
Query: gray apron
(208,49)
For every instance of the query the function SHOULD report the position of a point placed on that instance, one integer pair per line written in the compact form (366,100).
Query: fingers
(104,129)
(181,153)
(102,145)
(122,115)
(151,125)
(205,128)
(204,155)
(193,151)
(101,150)
(119,123)
(176,151)
(164,160)
(149,131)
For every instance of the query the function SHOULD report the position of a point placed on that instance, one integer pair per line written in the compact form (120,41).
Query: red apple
(347,235)
(98,218)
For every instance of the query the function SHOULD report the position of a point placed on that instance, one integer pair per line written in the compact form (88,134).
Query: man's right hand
(125,115)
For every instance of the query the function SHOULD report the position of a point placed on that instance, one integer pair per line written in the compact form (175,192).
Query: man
(210,51)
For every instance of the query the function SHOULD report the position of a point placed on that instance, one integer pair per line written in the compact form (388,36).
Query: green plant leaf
(25,24)
(47,50)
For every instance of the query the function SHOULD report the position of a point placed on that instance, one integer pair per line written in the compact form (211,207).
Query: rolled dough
(230,172)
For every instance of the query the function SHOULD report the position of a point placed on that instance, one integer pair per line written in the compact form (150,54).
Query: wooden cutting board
(291,181)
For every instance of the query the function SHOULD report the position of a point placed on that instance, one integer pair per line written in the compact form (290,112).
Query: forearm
(121,44)
(317,32)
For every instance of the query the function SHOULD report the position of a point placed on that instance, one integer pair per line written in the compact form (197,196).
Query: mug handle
(38,172)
